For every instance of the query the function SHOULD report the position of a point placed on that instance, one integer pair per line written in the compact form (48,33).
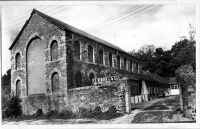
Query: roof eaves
(65,26)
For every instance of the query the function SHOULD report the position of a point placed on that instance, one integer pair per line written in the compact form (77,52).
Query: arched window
(77,50)
(90,53)
(131,65)
(18,88)
(91,76)
(118,62)
(17,61)
(110,59)
(100,56)
(35,66)
(78,79)
(125,63)
(137,68)
(54,50)
(55,82)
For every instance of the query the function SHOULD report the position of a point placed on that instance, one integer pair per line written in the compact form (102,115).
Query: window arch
(55,82)
(125,63)
(90,53)
(18,88)
(54,50)
(91,76)
(100,56)
(110,59)
(78,79)
(17,61)
(35,71)
(118,62)
(77,50)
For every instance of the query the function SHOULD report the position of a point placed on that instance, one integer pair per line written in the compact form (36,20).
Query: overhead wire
(113,20)
(27,14)
(114,17)
(126,14)
(124,18)
(21,15)
(19,23)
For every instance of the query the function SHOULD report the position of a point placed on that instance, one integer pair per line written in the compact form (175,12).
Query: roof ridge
(65,26)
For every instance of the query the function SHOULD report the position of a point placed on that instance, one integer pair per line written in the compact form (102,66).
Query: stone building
(53,66)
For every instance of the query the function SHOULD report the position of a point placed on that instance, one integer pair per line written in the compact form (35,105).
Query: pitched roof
(65,26)
(153,77)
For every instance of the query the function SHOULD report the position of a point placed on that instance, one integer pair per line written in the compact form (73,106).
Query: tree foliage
(5,88)
(14,107)
(6,80)
(165,62)
(145,53)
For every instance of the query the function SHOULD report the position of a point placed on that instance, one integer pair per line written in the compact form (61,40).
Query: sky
(127,26)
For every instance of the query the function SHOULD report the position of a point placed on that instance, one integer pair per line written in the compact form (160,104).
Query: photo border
(143,125)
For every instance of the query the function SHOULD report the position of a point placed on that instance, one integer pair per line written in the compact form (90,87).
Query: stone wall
(104,96)
(47,32)
(34,102)
(99,70)
(65,66)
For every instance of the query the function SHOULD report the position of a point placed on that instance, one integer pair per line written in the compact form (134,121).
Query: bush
(83,112)
(89,113)
(112,110)
(97,111)
(53,114)
(94,113)
(65,114)
(39,112)
(98,114)
(14,107)
(110,113)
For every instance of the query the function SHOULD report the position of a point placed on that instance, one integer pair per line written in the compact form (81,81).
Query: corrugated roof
(65,26)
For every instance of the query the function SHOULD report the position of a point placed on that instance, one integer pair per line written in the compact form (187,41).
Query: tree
(183,53)
(145,53)
(5,88)
(164,63)
(14,107)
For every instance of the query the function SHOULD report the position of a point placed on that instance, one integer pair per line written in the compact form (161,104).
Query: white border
(160,125)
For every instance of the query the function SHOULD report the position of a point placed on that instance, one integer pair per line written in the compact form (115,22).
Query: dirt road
(159,111)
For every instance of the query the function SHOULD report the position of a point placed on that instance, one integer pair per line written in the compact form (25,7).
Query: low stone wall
(34,102)
(105,96)
(89,97)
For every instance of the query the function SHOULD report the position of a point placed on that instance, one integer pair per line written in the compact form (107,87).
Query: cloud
(162,26)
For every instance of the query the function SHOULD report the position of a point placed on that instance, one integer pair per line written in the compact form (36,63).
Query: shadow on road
(160,110)
(171,103)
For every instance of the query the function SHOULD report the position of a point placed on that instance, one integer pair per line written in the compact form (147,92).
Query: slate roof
(153,77)
(65,26)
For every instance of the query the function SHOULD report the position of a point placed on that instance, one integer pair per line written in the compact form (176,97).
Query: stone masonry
(53,65)
(68,96)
